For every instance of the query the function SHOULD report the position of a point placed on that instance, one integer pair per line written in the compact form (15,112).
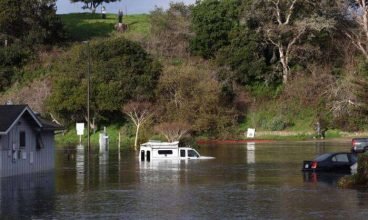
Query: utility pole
(88,96)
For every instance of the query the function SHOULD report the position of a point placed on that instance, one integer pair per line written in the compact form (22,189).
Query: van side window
(182,153)
(165,152)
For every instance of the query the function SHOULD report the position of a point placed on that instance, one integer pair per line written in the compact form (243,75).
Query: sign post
(251,132)
(80,131)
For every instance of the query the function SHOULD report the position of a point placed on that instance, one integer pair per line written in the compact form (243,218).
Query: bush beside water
(360,179)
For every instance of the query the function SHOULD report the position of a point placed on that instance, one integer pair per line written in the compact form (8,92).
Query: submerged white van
(153,150)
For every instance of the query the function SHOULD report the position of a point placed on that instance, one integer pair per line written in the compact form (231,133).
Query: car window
(353,158)
(340,158)
(322,157)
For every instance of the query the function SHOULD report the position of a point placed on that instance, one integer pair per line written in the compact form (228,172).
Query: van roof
(155,144)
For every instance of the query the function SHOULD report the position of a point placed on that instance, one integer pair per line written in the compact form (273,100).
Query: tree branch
(290,12)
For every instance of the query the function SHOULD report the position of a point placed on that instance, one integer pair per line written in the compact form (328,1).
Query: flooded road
(263,181)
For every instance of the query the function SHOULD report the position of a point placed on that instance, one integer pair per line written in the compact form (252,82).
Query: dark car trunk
(307,166)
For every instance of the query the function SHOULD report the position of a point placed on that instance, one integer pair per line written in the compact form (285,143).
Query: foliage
(173,131)
(31,21)
(170,31)
(11,59)
(359,87)
(358,179)
(288,26)
(308,90)
(190,93)
(24,27)
(120,71)
(245,57)
(212,21)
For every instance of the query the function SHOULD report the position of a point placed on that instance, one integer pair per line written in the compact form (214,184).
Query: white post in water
(104,141)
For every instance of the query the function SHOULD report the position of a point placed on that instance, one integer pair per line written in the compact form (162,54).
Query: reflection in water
(320,147)
(80,167)
(330,179)
(103,166)
(163,164)
(251,160)
(27,196)
(251,156)
(170,169)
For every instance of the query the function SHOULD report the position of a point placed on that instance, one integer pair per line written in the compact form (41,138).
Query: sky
(128,6)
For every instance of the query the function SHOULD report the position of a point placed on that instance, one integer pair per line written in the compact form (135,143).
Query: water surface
(264,183)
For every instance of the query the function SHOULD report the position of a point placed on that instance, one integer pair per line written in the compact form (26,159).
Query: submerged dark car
(331,162)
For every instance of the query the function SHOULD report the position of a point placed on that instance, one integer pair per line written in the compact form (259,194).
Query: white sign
(80,128)
(251,132)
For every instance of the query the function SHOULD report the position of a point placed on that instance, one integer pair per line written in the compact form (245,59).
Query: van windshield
(192,153)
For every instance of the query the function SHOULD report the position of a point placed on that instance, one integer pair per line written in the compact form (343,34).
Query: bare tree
(170,31)
(356,13)
(173,131)
(139,113)
(284,30)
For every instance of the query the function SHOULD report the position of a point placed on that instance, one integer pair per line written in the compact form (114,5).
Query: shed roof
(10,114)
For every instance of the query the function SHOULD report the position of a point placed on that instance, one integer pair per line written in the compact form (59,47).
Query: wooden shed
(26,141)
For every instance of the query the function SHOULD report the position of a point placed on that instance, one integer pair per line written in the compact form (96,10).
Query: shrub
(120,71)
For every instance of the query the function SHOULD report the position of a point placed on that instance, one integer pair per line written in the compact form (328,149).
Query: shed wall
(17,160)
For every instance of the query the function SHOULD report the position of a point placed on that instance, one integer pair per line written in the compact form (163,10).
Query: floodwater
(261,181)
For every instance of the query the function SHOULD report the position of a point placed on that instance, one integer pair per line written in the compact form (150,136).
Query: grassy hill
(84,26)
(35,84)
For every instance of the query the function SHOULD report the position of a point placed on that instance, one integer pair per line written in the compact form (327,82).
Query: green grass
(84,26)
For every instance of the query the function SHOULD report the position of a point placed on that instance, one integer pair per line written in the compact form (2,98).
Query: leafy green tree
(188,97)
(120,71)
(92,4)
(246,57)
(11,59)
(359,104)
(30,22)
(212,21)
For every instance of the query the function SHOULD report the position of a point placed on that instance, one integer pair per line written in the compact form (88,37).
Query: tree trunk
(136,138)
(285,66)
